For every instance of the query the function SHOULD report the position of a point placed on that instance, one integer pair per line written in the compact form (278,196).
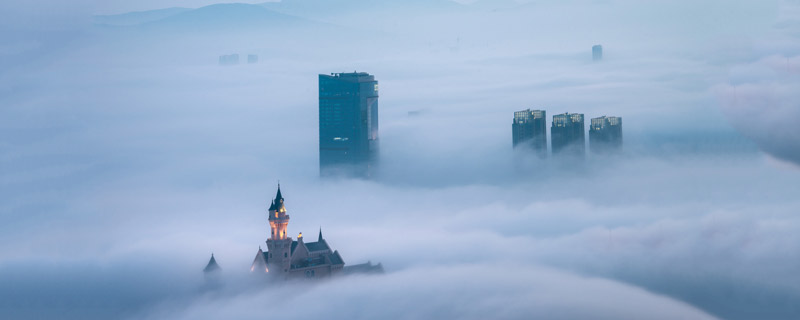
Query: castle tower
(279,246)
(286,258)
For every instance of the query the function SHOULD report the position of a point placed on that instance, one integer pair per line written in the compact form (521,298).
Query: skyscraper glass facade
(348,124)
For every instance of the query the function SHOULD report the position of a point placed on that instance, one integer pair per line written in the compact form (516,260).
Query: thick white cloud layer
(127,156)
(496,291)
(763,101)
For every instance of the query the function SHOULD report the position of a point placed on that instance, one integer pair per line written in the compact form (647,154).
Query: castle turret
(279,245)
(278,219)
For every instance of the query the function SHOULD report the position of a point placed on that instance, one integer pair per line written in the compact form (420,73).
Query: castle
(287,258)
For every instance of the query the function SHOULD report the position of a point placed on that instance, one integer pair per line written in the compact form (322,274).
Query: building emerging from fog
(212,267)
(567,135)
(252,58)
(212,273)
(605,135)
(229,59)
(529,130)
(597,52)
(286,258)
(348,124)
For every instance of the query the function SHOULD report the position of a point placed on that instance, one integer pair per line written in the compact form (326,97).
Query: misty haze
(489,159)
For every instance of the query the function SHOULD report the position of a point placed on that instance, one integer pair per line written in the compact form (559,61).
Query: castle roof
(260,262)
(317,246)
(277,203)
(336,258)
(364,268)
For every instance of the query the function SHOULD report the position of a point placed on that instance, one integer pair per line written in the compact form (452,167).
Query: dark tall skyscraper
(605,135)
(567,134)
(530,130)
(348,123)
(597,52)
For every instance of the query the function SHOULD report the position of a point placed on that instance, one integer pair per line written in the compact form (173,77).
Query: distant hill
(495,4)
(320,8)
(138,17)
(226,16)
(232,15)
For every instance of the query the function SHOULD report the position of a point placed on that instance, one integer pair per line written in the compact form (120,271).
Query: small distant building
(605,135)
(252,58)
(286,258)
(229,59)
(597,52)
(530,130)
(567,135)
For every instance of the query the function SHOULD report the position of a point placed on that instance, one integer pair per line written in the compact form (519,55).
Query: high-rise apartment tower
(529,130)
(567,134)
(605,135)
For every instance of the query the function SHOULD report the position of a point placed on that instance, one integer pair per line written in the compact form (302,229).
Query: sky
(128,156)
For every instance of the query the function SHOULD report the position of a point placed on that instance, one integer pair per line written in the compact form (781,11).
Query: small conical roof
(212,265)
(278,197)
(320,234)
(278,201)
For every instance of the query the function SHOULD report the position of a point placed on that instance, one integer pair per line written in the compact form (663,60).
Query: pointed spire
(320,234)
(212,265)
(277,203)
(278,197)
